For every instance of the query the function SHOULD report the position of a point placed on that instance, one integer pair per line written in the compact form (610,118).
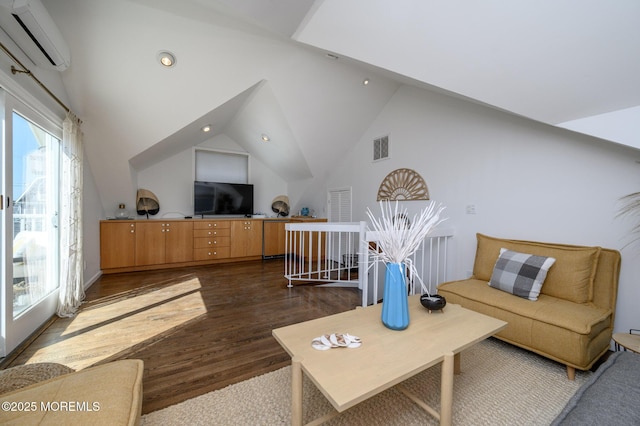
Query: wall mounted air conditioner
(37,35)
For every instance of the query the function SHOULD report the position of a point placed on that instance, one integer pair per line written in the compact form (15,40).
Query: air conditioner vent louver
(381,148)
(35,40)
(35,32)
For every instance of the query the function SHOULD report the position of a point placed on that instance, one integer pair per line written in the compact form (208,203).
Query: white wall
(92,213)
(172,181)
(527,180)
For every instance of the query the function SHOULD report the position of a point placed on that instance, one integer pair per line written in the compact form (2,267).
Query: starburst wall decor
(403,184)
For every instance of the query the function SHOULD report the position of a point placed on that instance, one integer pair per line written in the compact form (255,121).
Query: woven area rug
(499,385)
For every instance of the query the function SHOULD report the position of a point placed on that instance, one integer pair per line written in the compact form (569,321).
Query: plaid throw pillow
(520,274)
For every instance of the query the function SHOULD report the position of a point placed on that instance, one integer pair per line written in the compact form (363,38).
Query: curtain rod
(26,71)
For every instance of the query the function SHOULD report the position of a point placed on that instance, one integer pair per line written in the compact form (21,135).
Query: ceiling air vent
(381,148)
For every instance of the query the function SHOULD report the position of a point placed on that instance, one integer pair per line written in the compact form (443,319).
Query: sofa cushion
(571,333)
(520,274)
(108,394)
(578,318)
(571,277)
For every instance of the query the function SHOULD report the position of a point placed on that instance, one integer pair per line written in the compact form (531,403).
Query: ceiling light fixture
(365,81)
(206,128)
(265,138)
(167,59)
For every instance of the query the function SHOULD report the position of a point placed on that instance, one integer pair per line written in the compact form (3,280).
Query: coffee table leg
(296,392)
(446,391)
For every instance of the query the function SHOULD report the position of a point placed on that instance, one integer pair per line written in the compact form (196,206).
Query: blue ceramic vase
(395,303)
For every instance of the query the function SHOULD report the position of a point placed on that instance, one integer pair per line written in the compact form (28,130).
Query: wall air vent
(381,148)
(38,36)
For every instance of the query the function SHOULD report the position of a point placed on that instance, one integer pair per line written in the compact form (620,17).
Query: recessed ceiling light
(365,81)
(167,59)
(265,138)
(206,128)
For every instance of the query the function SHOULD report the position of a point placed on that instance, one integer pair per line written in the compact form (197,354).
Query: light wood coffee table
(387,357)
(628,341)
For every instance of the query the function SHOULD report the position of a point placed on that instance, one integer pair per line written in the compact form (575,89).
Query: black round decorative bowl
(433,302)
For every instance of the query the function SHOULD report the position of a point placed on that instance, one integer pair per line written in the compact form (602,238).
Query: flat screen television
(219,198)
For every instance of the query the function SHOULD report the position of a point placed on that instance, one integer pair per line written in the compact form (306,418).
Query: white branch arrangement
(399,239)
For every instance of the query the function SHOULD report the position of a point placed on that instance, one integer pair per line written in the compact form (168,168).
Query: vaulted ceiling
(567,63)
(293,69)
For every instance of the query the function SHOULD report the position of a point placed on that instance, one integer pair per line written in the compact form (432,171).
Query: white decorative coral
(397,237)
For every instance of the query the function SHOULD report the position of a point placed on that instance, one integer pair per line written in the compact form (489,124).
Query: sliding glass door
(30,170)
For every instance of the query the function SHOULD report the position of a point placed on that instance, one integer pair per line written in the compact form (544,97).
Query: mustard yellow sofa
(108,394)
(572,319)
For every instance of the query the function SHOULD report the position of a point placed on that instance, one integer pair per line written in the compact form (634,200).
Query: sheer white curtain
(71,280)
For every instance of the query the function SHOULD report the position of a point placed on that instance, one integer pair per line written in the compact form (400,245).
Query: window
(30,176)
(35,213)
(219,166)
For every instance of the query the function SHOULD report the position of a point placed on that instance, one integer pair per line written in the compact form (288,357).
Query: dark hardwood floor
(196,329)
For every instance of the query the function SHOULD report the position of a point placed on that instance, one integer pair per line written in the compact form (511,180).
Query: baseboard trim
(92,280)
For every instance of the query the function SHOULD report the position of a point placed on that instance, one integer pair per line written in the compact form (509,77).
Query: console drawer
(214,232)
(199,243)
(211,253)
(211,224)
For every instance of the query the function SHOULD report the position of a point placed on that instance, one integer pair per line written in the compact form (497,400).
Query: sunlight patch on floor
(103,332)
(97,315)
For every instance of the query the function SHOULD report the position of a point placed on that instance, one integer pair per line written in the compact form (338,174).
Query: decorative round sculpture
(147,203)
(280,205)
(403,184)
(433,302)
